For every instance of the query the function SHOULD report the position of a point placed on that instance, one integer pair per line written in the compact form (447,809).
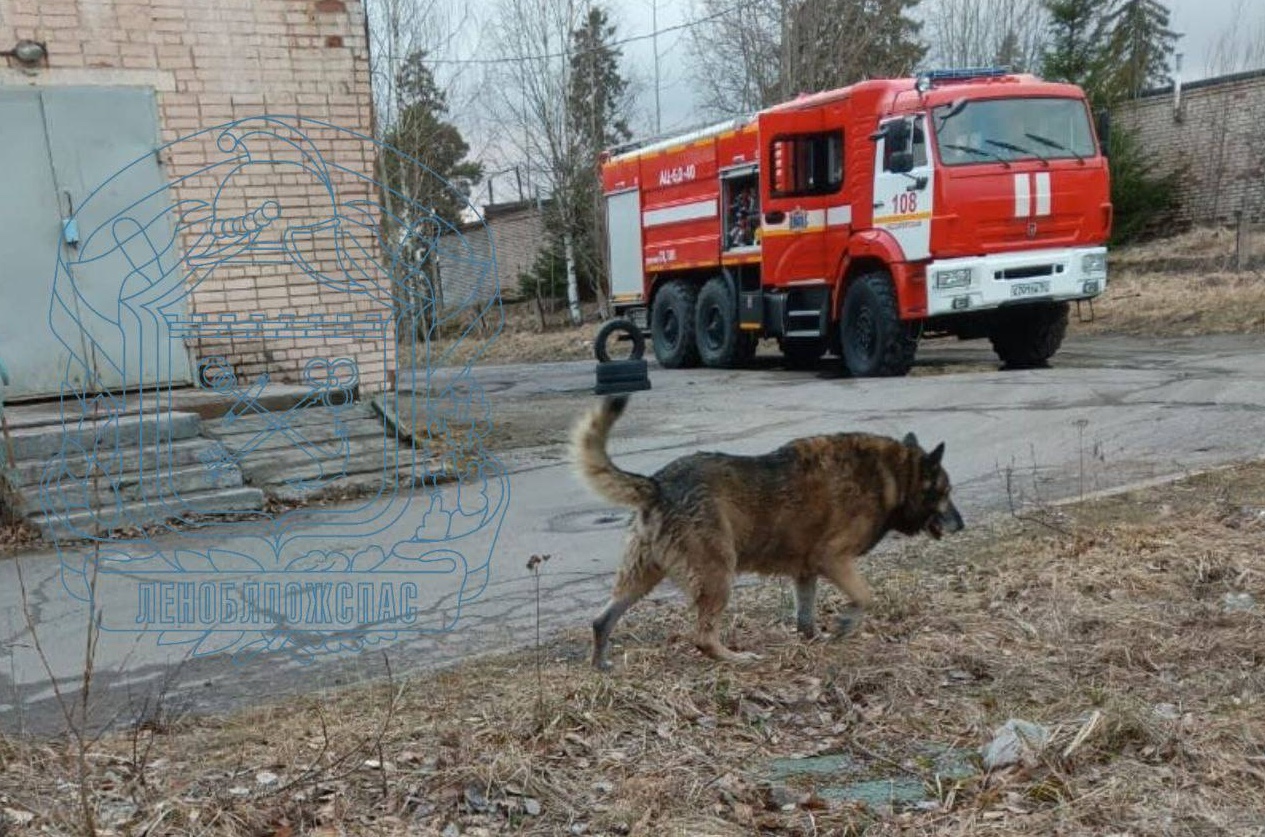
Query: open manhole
(596,519)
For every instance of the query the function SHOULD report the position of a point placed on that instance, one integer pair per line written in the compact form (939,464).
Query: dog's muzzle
(946,522)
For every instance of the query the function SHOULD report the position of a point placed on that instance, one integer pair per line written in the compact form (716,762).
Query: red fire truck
(970,203)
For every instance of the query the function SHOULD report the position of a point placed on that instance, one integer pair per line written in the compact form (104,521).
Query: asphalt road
(1110,412)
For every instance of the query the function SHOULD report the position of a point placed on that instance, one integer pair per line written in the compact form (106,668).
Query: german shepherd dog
(810,508)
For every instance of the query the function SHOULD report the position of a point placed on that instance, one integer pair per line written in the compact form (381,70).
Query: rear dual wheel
(721,343)
(690,326)
(672,326)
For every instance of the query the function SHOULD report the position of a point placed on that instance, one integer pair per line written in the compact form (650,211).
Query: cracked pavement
(1111,411)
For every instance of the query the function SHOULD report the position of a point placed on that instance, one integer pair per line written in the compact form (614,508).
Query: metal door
(903,200)
(62,148)
(623,230)
(802,175)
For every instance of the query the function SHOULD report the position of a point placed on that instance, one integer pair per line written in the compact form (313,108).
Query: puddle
(839,777)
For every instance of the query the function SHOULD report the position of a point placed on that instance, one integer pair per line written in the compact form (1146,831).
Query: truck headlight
(959,278)
(1094,263)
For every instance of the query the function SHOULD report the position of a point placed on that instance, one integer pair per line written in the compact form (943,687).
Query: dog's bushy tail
(588,447)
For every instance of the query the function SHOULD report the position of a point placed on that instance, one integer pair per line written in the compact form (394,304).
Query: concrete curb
(1151,483)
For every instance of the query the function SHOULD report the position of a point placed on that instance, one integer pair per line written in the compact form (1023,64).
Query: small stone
(531,807)
(451,830)
(239,791)
(475,799)
(1014,741)
(1167,711)
(603,787)
(782,798)
(1238,603)
(580,828)
(18,816)
(266,778)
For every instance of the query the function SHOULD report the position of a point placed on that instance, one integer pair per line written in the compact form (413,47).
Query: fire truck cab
(970,203)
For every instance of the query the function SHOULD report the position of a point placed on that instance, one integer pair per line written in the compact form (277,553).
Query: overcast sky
(1202,24)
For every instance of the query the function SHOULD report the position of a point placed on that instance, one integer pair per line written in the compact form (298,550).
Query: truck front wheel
(1027,337)
(672,326)
(874,339)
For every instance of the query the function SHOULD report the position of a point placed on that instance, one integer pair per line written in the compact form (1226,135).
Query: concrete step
(155,486)
(76,522)
(238,435)
(361,482)
(262,466)
(42,441)
(306,417)
(122,462)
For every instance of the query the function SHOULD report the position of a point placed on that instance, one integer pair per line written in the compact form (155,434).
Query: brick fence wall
(1213,139)
(518,235)
(212,62)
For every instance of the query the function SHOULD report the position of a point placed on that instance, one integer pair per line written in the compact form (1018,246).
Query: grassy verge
(1178,304)
(1124,626)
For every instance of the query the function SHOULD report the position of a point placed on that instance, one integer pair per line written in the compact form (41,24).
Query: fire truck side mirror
(1103,119)
(900,162)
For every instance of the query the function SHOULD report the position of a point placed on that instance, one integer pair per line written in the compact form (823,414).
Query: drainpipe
(1177,86)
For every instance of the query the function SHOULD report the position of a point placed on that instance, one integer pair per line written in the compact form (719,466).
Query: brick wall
(1213,139)
(517,232)
(212,62)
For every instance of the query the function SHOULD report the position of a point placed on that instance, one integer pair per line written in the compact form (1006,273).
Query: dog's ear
(911,441)
(936,455)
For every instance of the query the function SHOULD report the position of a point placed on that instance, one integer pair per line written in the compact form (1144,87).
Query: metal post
(1238,240)
(654,42)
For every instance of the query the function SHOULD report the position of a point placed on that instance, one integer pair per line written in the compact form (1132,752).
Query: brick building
(138,74)
(517,230)
(1209,131)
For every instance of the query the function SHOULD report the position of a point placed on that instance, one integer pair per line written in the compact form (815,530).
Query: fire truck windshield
(970,131)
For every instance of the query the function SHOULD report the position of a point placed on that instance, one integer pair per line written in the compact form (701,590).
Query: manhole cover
(590,520)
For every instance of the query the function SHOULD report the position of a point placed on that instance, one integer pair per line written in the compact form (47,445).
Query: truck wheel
(672,326)
(875,341)
(802,353)
(1025,338)
(720,343)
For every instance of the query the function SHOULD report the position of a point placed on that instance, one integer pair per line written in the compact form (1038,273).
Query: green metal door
(63,148)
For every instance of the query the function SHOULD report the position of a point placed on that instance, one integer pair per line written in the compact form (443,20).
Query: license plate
(1029,289)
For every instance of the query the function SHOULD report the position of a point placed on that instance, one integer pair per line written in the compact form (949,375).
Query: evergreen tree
(596,87)
(1077,45)
(423,133)
(423,202)
(1114,51)
(1009,53)
(1139,45)
(594,114)
(834,43)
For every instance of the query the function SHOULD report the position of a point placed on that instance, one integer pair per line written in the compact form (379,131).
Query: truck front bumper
(955,286)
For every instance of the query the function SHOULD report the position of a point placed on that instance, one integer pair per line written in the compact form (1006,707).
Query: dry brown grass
(1178,304)
(1207,242)
(1104,622)
(519,338)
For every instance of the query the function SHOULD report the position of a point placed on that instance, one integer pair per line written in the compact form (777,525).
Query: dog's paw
(603,666)
(847,622)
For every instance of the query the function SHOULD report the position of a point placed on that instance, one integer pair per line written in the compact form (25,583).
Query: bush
(1142,197)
